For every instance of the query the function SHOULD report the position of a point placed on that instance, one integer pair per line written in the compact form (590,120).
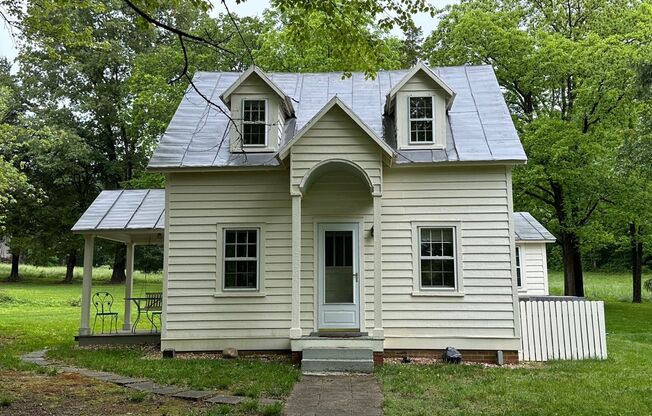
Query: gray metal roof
(527,228)
(479,126)
(125,210)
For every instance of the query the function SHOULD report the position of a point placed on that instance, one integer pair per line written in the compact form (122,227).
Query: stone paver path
(141,384)
(334,395)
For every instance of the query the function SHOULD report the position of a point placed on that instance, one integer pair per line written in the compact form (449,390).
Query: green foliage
(570,80)
(137,396)
(284,48)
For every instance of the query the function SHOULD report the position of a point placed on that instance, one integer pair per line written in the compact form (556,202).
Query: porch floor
(121,338)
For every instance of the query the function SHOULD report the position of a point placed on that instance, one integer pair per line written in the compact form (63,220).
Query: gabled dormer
(259,109)
(418,104)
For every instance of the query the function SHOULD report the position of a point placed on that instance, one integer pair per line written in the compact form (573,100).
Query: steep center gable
(336,135)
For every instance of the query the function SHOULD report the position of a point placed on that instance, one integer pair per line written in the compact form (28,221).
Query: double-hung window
(254,119)
(241,259)
(421,122)
(519,271)
(437,258)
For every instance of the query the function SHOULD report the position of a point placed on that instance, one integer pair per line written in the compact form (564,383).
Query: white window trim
(243,122)
(417,290)
(431,119)
(220,290)
(521,250)
(402,119)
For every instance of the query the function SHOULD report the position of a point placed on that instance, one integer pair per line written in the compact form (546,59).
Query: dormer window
(422,121)
(254,122)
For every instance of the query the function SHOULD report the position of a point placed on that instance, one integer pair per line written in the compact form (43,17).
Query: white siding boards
(534,268)
(480,317)
(198,316)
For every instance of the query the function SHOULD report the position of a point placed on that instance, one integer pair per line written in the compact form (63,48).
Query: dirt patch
(66,394)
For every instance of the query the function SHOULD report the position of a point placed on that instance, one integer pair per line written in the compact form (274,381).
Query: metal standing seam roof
(124,210)
(527,228)
(479,126)
(144,209)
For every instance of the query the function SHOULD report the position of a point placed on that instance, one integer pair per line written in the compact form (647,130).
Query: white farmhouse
(307,212)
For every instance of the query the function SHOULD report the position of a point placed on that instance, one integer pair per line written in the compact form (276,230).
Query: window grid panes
(421,120)
(241,259)
(437,257)
(253,123)
(519,282)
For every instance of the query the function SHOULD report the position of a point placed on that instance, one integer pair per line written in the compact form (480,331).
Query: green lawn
(41,312)
(621,385)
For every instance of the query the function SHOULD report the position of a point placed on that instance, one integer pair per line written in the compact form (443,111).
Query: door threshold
(339,334)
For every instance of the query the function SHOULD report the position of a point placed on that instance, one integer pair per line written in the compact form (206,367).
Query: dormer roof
(253,70)
(419,67)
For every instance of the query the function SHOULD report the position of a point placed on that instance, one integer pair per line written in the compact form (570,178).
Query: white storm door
(338,275)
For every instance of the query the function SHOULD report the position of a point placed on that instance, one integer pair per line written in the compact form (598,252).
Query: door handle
(355,276)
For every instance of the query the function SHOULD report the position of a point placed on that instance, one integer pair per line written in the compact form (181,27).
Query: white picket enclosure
(562,329)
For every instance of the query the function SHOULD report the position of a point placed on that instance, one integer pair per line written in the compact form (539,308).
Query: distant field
(602,286)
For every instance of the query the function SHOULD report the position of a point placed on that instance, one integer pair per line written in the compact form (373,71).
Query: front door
(338,275)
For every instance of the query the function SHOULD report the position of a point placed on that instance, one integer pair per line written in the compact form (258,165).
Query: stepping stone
(67,369)
(128,380)
(146,386)
(167,390)
(38,361)
(193,394)
(226,399)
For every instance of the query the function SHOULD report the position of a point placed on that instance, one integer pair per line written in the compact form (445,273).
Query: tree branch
(174,30)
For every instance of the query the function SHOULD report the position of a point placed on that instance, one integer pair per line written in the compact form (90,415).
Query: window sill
(435,146)
(239,294)
(438,294)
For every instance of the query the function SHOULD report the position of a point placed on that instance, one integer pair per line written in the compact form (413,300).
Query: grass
(604,286)
(40,312)
(619,386)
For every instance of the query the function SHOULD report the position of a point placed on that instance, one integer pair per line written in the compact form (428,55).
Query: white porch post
(129,285)
(295,329)
(378,262)
(89,245)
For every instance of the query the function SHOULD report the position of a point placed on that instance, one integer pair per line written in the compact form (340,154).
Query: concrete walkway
(335,395)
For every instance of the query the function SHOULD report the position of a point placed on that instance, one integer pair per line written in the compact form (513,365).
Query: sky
(248,8)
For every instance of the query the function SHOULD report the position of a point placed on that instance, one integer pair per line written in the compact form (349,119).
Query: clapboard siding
(197,204)
(335,136)
(479,200)
(535,269)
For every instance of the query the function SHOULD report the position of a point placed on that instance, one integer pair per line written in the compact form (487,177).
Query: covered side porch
(130,217)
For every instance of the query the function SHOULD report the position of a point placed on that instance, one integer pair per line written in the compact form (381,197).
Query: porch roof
(129,215)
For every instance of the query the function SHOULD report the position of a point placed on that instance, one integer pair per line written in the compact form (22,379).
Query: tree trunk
(573,273)
(119,264)
(71,261)
(637,261)
(15,262)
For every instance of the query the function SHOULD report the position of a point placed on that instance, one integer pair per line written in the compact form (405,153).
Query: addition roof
(527,228)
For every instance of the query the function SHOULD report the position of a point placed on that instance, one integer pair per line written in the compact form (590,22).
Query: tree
(281,49)
(569,77)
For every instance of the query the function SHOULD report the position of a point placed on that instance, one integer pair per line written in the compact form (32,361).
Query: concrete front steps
(337,360)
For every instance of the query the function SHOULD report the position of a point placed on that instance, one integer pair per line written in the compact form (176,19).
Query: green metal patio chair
(103,301)
(154,308)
